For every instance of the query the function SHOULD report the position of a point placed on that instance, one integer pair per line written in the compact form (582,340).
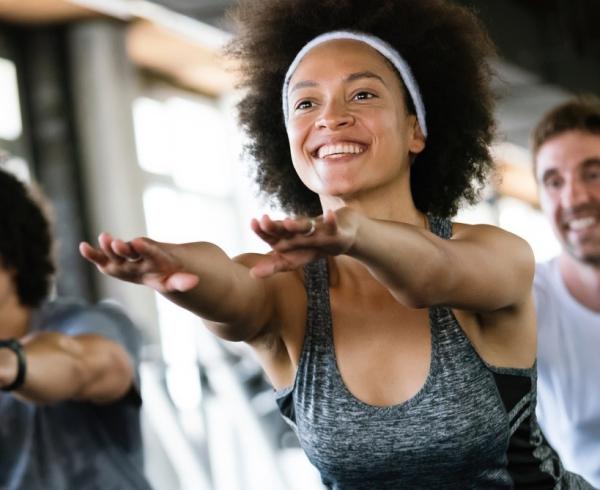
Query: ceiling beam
(35,12)
(181,59)
(172,45)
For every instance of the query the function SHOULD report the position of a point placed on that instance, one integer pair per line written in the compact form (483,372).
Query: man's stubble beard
(591,260)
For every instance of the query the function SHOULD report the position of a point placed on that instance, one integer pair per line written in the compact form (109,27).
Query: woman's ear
(417,138)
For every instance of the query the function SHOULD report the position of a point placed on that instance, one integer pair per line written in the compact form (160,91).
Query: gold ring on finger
(313,227)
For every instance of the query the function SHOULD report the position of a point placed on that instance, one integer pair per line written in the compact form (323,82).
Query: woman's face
(349,130)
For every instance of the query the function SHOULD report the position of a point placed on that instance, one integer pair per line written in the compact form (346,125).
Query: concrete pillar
(104,83)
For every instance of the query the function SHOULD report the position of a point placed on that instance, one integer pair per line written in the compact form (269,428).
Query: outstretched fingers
(275,231)
(257,228)
(94,255)
(270,231)
(126,251)
(117,258)
(300,226)
(142,261)
(105,241)
(308,227)
(298,241)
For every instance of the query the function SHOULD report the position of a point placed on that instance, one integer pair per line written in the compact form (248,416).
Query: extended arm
(482,268)
(61,367)
(197,276)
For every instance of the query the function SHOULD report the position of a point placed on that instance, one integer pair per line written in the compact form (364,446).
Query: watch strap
(17,348)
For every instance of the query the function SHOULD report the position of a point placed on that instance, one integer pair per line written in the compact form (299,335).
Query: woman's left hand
(298,241)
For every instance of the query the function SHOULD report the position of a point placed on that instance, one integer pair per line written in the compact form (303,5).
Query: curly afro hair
(25,241)
(447,49)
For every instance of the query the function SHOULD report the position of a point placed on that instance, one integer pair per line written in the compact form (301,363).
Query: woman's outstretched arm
(482,268)
(197,276)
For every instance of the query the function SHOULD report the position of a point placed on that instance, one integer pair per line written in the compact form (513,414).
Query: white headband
(385,49)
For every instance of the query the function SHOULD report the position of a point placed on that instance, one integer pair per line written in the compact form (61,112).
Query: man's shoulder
(546,276)
(548,289)
(58,311)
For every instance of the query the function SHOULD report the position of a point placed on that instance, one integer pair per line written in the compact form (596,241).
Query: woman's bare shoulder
(494,237)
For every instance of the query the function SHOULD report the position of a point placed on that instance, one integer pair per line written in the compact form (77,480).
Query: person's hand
(142,261)
(298,241)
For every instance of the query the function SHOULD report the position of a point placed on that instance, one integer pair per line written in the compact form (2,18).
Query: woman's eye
(304,104)
(363,96)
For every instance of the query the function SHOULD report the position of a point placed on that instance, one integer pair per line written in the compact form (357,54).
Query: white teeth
(580,224)
(342,148)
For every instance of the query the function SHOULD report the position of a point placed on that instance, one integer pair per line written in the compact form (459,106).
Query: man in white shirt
(566,150)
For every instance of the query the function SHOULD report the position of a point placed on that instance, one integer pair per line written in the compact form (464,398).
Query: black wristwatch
(17,348)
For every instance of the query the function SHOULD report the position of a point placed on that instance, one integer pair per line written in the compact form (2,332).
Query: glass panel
(10,123)
(15,165)
(152,148)
(187,139)
(177,216)
(200,147)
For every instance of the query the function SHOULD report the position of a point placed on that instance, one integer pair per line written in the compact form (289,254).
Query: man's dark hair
(580,113)
(25,241)
(447,50)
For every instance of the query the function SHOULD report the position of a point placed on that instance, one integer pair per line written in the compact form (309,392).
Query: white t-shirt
(568,373)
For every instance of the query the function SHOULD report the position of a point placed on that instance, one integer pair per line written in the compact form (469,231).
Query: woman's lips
(339,149)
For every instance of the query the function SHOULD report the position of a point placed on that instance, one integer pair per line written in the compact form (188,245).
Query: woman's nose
(334,116)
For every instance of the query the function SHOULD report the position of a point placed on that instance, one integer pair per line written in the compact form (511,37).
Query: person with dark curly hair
(401,345)
(69,406)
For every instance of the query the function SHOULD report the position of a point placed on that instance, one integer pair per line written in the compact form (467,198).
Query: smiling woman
(350,135)
(443,60)
(401,345)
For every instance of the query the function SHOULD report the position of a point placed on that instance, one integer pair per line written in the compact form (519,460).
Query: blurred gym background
(122,111)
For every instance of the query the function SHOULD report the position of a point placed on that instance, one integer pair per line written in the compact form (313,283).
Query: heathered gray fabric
(454,433)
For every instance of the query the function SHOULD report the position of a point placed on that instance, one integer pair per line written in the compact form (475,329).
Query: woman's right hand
(141,261)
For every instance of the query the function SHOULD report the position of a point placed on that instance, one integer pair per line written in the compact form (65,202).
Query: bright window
(10,108)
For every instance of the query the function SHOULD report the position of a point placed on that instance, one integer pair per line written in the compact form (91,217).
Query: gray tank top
(471,425)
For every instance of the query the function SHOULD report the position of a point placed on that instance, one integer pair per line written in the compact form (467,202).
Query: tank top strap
(318,337)
(442,227)
(446,331)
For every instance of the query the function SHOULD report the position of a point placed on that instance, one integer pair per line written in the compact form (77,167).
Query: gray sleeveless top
(470,426)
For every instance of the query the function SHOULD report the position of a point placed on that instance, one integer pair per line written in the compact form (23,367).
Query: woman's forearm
(406,259)
(226,294)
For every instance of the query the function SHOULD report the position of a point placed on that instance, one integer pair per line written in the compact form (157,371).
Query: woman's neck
(390,204)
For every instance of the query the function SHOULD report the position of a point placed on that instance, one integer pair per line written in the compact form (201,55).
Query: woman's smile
(337,151)
(349,129)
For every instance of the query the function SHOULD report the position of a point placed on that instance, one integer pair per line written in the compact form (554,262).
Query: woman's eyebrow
(364,74)
(303,84)
(350,78)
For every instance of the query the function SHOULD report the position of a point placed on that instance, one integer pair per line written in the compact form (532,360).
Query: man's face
(568,174)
